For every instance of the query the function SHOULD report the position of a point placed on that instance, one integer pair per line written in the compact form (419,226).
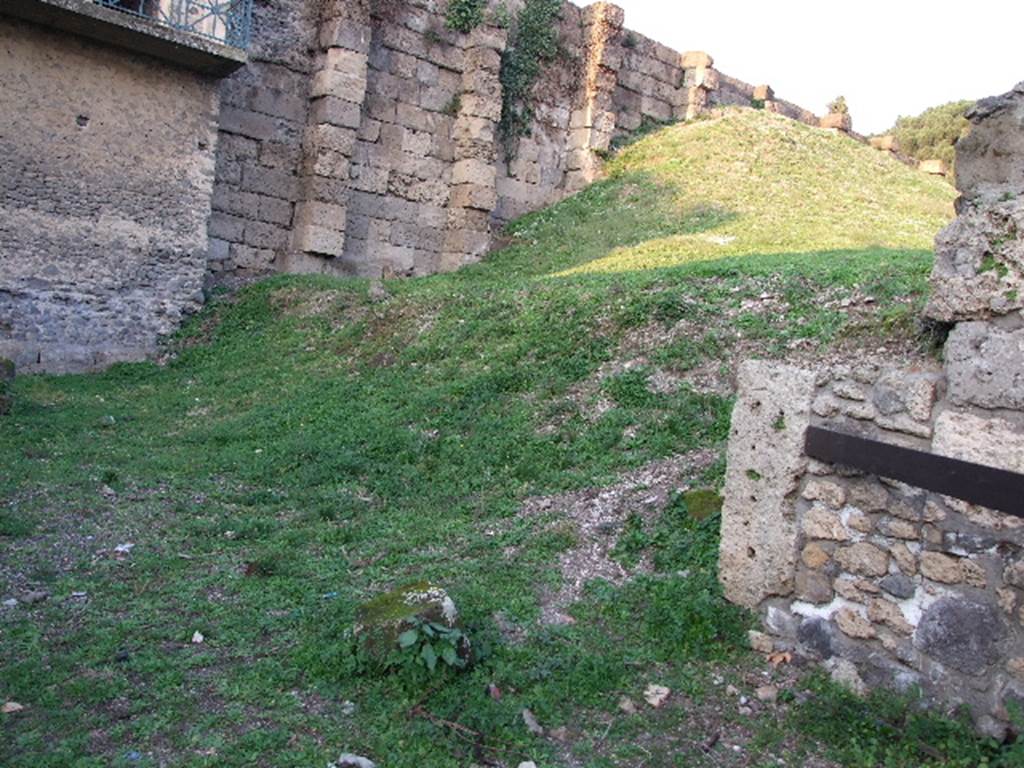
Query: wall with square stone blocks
(363,138)
(888,584)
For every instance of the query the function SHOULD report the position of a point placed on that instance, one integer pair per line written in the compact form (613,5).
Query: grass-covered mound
(309,447)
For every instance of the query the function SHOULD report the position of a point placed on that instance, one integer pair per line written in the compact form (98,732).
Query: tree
(838,106)
(932,135)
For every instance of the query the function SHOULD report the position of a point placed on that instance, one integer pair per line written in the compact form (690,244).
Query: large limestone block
(990,159)
(765,464)
(839,121)
(317,239)
(934,167)
(993,442)
(696,59)
(985,366)
(979,263)
(887,143)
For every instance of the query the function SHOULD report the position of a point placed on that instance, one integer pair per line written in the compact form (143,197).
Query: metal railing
(226,21)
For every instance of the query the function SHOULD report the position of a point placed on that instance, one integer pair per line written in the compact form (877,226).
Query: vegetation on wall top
(464,15)
(533,43)
(838,106)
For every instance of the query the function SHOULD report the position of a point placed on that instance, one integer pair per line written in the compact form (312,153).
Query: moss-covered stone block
(702,503)
(381,621)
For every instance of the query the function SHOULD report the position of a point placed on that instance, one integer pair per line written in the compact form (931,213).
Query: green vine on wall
(532,45)
(465,15)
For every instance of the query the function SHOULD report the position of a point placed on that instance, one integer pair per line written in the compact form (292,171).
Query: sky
(887,58)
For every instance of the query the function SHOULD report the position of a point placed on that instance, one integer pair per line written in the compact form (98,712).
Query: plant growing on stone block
(428,642)
(464,15)
(413,626)
(838,106)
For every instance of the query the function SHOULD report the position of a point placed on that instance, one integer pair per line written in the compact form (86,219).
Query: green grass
(309,448)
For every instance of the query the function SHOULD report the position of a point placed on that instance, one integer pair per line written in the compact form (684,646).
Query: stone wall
(264,108)
(886,583)
(106,170)
(363,138)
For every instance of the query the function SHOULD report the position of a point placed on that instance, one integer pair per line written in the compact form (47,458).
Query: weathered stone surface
(898,585)
(863,558)
(942,568)
(380,621)
(933,167)
(993,442)
(837,121)
(848,589)
(898,529)
(348,760)
(887,143)
(817,636)
(819,522)
(854,624)
(1013,574)
(979,263)
(882,611)
(695,60)
(813,587)
(758,550)
(832,494)
(760,642)
(844,673)
(100,256)
(985,366)
(814,555)
(868,496)
(990,159)
(961,634)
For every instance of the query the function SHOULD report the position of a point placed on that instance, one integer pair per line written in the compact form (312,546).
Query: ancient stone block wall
(259,148)
(886,583)
(363,139)
(106,170)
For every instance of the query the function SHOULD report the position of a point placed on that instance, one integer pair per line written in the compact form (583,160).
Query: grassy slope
(309,447)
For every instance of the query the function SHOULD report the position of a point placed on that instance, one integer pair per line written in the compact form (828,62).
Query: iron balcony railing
(226,21)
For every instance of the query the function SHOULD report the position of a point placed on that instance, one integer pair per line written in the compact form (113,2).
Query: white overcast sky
(888,58)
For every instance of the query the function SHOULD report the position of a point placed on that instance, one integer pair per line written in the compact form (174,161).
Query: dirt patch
(720,727)
(596,518)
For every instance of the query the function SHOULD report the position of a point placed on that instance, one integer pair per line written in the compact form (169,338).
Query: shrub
(465,15)
(933,134)
(838,106)
(534,43)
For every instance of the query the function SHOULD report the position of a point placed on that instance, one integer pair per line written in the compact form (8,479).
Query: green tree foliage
(838,106)
(933,134)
